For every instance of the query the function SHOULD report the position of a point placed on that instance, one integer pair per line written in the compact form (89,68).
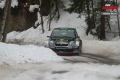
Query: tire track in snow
(91,58)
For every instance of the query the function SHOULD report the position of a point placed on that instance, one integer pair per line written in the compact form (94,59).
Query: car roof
(64,28)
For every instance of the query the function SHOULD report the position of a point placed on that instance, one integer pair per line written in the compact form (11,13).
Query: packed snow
(105,48)
(60,71)
(26,53)
(30,62)
(36,54)
(33,7)
(14,3)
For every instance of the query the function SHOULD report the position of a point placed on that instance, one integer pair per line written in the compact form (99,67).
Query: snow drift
(105,48)
(34,54)
(26,53)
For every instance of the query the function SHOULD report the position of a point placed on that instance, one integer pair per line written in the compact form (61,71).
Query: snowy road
(30,62)
(82,67)
(91,58)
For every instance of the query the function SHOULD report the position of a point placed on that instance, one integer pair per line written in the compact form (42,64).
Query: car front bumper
(66,51)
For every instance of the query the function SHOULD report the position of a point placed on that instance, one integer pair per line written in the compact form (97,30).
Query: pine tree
(92,10)
(77,6)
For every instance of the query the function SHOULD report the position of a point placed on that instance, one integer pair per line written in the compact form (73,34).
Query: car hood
(62,39)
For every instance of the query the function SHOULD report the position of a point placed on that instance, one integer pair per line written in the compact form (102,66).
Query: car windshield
(63,33)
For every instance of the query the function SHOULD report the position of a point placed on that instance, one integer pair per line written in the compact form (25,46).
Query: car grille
(61,48)
(61,43)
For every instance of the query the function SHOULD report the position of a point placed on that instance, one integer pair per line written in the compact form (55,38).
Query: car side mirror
(48,36)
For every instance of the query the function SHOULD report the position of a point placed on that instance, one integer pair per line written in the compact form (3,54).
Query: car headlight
(71,43)
(77,43)
(74,44)
(51,44)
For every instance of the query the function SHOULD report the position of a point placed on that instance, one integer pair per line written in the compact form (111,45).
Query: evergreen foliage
(91,9)
(77,6)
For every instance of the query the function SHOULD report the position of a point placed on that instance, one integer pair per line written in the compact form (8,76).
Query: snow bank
(13,3)
(26,53)
(117,38)
(32,7)
(106,48)
(35,36)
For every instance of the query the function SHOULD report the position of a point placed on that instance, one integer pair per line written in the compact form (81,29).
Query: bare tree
(3,33)
(93,14)
(42,22)
(88,13)
(50,15)
(57,8)
(102,27)
(118,20)
(56,11)
(108,22)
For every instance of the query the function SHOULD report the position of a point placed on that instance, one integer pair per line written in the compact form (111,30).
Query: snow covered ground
(31,62)
(10,53)
(104,48)
(60,71)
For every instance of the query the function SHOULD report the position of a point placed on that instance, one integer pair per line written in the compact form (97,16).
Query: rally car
(64,41)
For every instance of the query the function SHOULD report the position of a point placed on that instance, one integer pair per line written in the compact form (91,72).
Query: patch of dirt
(118,77)
(74,61)
(59,72)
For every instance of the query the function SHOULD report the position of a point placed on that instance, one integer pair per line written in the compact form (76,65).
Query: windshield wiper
(55,36)
(68,37)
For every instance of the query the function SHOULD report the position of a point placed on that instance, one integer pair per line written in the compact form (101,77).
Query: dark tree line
(92,10)
(19,18)
(46,9)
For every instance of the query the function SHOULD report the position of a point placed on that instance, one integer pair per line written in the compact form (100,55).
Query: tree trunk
(102,27)
(50,16)
(42,22)
(93,14)
(118,20)
(57,8)
(88,21)
(3,32)
(108,21)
